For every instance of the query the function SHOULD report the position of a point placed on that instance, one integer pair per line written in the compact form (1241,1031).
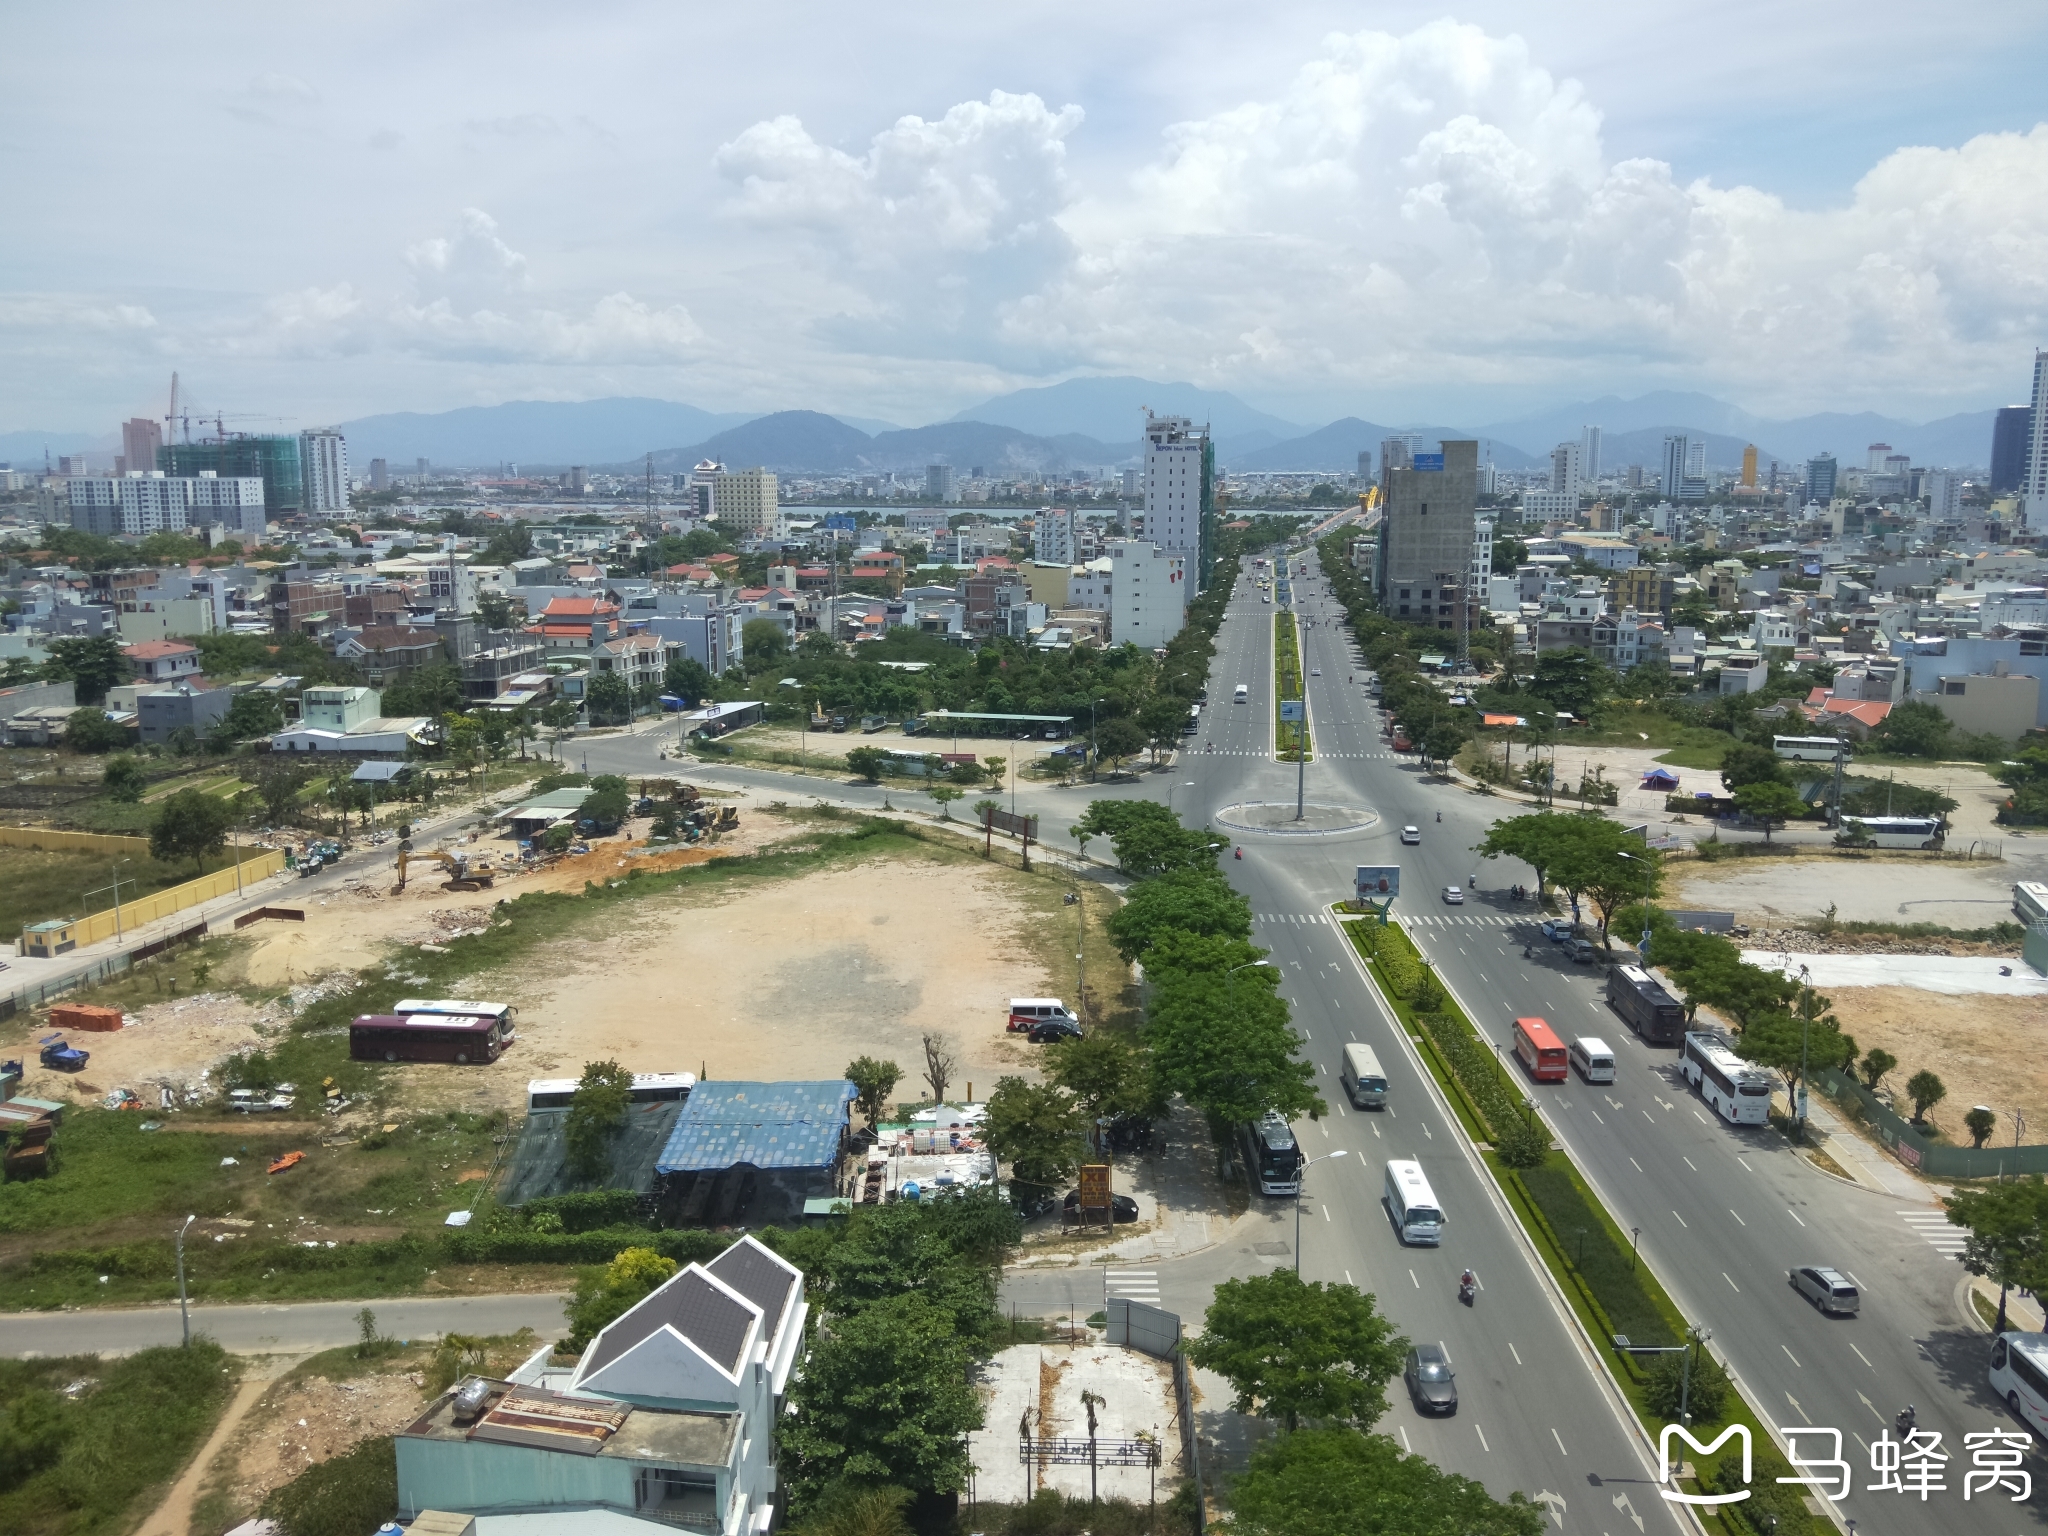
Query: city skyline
(1449,219)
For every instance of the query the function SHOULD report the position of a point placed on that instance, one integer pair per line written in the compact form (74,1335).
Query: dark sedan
(1051,1030)
(1430,1381)
(1123,1207)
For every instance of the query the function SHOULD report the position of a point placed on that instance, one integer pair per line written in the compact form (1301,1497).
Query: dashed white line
(1427,1131)
(1595,1114)
(1731,1284)
(1793,1214)
(1863,1357)
(1560,1441)
(1349,1281)
(1681,1221)
(1699,1117)
(1738,1220)
(1482,1440)
(1326,1213)
(1411,1276)
(1515,1352)
(1745,1166)
(1695,1167)
(1789,1355)
(1639,1166)
(1649,1117)
(1404,1441)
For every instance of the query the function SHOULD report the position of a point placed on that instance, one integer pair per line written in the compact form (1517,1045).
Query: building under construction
(274,459)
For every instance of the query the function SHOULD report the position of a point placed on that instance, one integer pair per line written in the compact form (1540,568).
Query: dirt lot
(1968,1042)
(1896,889)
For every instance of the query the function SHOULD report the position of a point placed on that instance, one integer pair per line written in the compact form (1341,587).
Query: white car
(1453,897)
(1315,671)
(1411,835)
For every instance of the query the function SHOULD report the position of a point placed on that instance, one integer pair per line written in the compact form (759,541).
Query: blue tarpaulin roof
(770,1125)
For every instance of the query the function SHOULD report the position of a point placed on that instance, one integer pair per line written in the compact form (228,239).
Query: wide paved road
(1534,1412)
(1723,1212)
(294,1328)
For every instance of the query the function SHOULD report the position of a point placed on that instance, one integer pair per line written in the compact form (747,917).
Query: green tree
(1746,764)
(1807,1034)
(1118,739)
(1161,720)
(1570,679)
(252,712)
(432,691)
(1600,860)
(89,730)
(1706,1391)
(1767,803)
(885,1399)
(1440,743)
(852,1510)
(1925,1090)
(494,609)
(945,793)
(90,663)
(1037,1128)
(610,699)
(2005,1224)
(608,803)
(1106,1074)
(1914,729)
(512,542)
(1508,556)
(1876,1062)
(1534,839)
(189,825)
(354,1491)
(1219,1032)
(124,778)
(873,1080)
(764,643)
(604,1294)
(1338,1482)
(868,762)
(1294,1349)
(1980,1123)
(597,1111)
(1182,901)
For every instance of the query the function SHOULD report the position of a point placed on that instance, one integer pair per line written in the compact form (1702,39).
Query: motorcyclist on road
(1439,815)
(1239,854)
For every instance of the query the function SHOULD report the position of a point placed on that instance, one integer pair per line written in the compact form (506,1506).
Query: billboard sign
(1094,1187)
(1429,461)
(1291,710)
(1378,882)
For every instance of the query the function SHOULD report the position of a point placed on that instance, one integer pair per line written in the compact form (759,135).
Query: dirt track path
(173,1517)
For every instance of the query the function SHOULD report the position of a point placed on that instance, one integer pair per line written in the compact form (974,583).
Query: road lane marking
(1793,1214)
(1790,1356)
(1326,1213)
(1349,1281)
(1649,1117)
(1745,1165)
(1411,1276)
(1404,1441)
(1681,1221)
(1731,1284)
(1340,1108)
(1595,1114)
(1639,1166)
(1515,1352)
(1560,1441)
(1482,1440)
(1738,1220)
(1375,1133)
(1427,1131)
(1699,1117)
(1325,1128)
(1695,1167)
(1863,1357)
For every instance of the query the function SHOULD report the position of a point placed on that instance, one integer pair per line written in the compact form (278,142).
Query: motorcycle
(1239,854)
(1468,1288)
(1906,1421)
(1439,815)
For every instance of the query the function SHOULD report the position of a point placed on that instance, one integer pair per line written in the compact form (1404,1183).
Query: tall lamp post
(184,1316)
(1340,1152)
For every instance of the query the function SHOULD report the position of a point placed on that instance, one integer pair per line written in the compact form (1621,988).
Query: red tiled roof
(579,608)
(157,650)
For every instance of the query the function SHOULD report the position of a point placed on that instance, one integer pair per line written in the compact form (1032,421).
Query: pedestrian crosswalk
(1316,754)
(1942,1235)
(1291,917)
(1462,920)
(1132,1284)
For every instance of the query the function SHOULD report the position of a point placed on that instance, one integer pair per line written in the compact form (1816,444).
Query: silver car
(1828,1289)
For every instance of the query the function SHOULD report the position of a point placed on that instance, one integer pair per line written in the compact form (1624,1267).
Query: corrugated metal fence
(1915,1150)
(1156,1332)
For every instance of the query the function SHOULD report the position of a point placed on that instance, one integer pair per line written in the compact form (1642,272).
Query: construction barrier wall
(144,910)
(52,841)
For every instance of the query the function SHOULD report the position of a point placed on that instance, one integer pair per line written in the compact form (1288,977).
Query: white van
(1243,694)
(1592,1060)
(1411,1204)
(1363,1080)
(1028,1013)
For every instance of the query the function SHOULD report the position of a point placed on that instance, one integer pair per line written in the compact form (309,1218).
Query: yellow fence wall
(147,909)
(51,841)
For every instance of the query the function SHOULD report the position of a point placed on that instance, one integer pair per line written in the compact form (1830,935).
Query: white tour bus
(1738,1092)
(1807,749)
(1412,1204)
(1895,831)
(648,1088)
(2019,1375)
(2030,903)
(1363,1080)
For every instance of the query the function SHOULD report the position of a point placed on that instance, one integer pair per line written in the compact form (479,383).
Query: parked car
(1411,835)
(1453,896)
(1583,951)
(1828,1289)
(1052,1030)
(59,1057)
(1556,932)
(1121,1207)
(1430,1380)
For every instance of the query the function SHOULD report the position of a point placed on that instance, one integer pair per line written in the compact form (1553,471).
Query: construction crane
(463,873)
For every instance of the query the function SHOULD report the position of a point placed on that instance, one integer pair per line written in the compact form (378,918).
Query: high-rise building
(323,467)
(1423,570)
(1696,467)
(1365,466)
(1875,456)
(140,439)
(1052,536)
(940,484)
(1820,479)
(1944,491)
(1180,486)
(2010,430)
(2034,483)
(1147,600)
(1749,466)
(380,475)
(1568,469)
(745,501)
(272,459)
(1589,445)
(703,486)
(1397,452)
(1671,479)
(140,504)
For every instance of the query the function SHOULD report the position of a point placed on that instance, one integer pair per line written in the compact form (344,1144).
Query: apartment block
(1426,538)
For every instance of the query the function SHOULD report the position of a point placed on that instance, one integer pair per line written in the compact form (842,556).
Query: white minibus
(1411,1204)
(1363,1080)
(1591,1058)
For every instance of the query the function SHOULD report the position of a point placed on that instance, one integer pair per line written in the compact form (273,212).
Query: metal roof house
(762,1148)
(667,1418)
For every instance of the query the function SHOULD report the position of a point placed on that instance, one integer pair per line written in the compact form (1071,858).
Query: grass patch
(1599,1254)
(103,1438)
(1997,933)
(1291,741)
(37,885)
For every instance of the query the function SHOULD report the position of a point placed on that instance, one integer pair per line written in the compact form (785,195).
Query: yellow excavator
(464,873)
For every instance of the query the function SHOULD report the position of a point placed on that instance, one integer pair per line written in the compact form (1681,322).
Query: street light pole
(184,1316)
(1301,1179)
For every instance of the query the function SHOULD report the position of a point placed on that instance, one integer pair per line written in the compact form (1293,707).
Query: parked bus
(1654,1014)
(1411,1204)
(455,1007)
(2019,1375)
(1893,831)
(1541,1053)
(1270,1154)
(2030,903)
(648,1088)
(454,1037)
(1738,1092)
(1807,749)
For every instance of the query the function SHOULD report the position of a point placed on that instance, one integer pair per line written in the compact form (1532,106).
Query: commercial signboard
(1378,882)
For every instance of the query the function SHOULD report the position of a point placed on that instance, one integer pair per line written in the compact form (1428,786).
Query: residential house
(575,623)
(162,661)
(161,712)
(387,652)
(1571,621)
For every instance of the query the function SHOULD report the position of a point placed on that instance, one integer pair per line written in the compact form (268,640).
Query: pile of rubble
(1812,941)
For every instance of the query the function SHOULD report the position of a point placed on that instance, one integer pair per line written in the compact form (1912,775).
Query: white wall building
(1568,470)
(1147,593)
(323,470)
(745,501)
(1589,452)
(1052,537)
(1549,506)
(1175,452)
(140,504)
(941,484)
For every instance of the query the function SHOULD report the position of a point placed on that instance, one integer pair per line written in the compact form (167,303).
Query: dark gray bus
(1644,1006)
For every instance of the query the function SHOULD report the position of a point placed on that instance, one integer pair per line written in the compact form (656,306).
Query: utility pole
(184,1315)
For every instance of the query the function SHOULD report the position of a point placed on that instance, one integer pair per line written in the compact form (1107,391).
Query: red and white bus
(1542,1054)
(456,1037)
(460,1008)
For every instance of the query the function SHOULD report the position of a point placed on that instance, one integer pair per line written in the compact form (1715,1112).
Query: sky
(896,210)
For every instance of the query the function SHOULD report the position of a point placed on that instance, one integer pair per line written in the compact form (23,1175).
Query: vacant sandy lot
(1978,1045)
(792,980)
(1777,892)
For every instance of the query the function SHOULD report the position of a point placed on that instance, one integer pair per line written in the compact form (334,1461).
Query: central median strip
(1290,738)
(1609,1287)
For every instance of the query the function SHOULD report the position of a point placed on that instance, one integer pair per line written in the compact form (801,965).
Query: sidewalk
(1864,1163)
(1190,1210)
